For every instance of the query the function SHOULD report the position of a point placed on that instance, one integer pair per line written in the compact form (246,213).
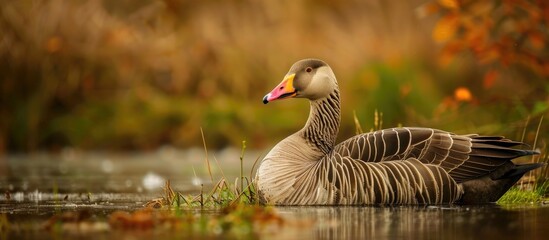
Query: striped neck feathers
(322,126)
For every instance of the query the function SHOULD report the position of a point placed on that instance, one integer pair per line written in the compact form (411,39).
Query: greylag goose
(391,166)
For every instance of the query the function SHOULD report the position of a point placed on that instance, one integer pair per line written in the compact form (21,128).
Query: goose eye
(309,69)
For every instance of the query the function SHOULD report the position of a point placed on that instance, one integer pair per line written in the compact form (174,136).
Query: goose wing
(464,157)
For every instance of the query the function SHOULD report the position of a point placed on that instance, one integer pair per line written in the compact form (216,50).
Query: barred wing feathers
(463,157)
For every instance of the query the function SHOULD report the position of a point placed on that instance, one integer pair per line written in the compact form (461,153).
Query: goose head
(308,78)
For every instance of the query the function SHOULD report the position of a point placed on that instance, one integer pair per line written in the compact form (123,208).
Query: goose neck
(322,126)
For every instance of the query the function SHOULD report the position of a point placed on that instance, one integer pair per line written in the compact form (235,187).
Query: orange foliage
(446,28)
(462,94)
(505,33)
(490,78)
(453,4)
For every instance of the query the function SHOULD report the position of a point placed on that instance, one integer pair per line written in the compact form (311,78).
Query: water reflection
(420,222)
(38,186)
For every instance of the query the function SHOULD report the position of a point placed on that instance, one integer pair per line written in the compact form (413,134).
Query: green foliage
(516,195)
(223,194)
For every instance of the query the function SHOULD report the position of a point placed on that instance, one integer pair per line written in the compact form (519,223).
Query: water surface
(36,187)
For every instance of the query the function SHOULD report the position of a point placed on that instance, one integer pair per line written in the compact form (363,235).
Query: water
(36,187)
(457,222)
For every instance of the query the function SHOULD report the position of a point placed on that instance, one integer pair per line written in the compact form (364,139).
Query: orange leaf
(451,4)
(536,39)
(445,28)
(490,78)
(462,94)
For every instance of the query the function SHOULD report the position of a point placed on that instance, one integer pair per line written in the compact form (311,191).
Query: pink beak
(284,90)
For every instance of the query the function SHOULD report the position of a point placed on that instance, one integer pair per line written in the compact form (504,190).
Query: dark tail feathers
(491,187)
(520,170)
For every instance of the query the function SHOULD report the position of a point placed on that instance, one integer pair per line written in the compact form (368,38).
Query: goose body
(390,166)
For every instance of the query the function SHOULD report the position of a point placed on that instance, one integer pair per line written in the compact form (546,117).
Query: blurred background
(132,75)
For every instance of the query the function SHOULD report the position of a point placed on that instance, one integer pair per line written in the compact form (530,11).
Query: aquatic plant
(223,193)
(518,195)
(535,190)
(237,212)
(534,187)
